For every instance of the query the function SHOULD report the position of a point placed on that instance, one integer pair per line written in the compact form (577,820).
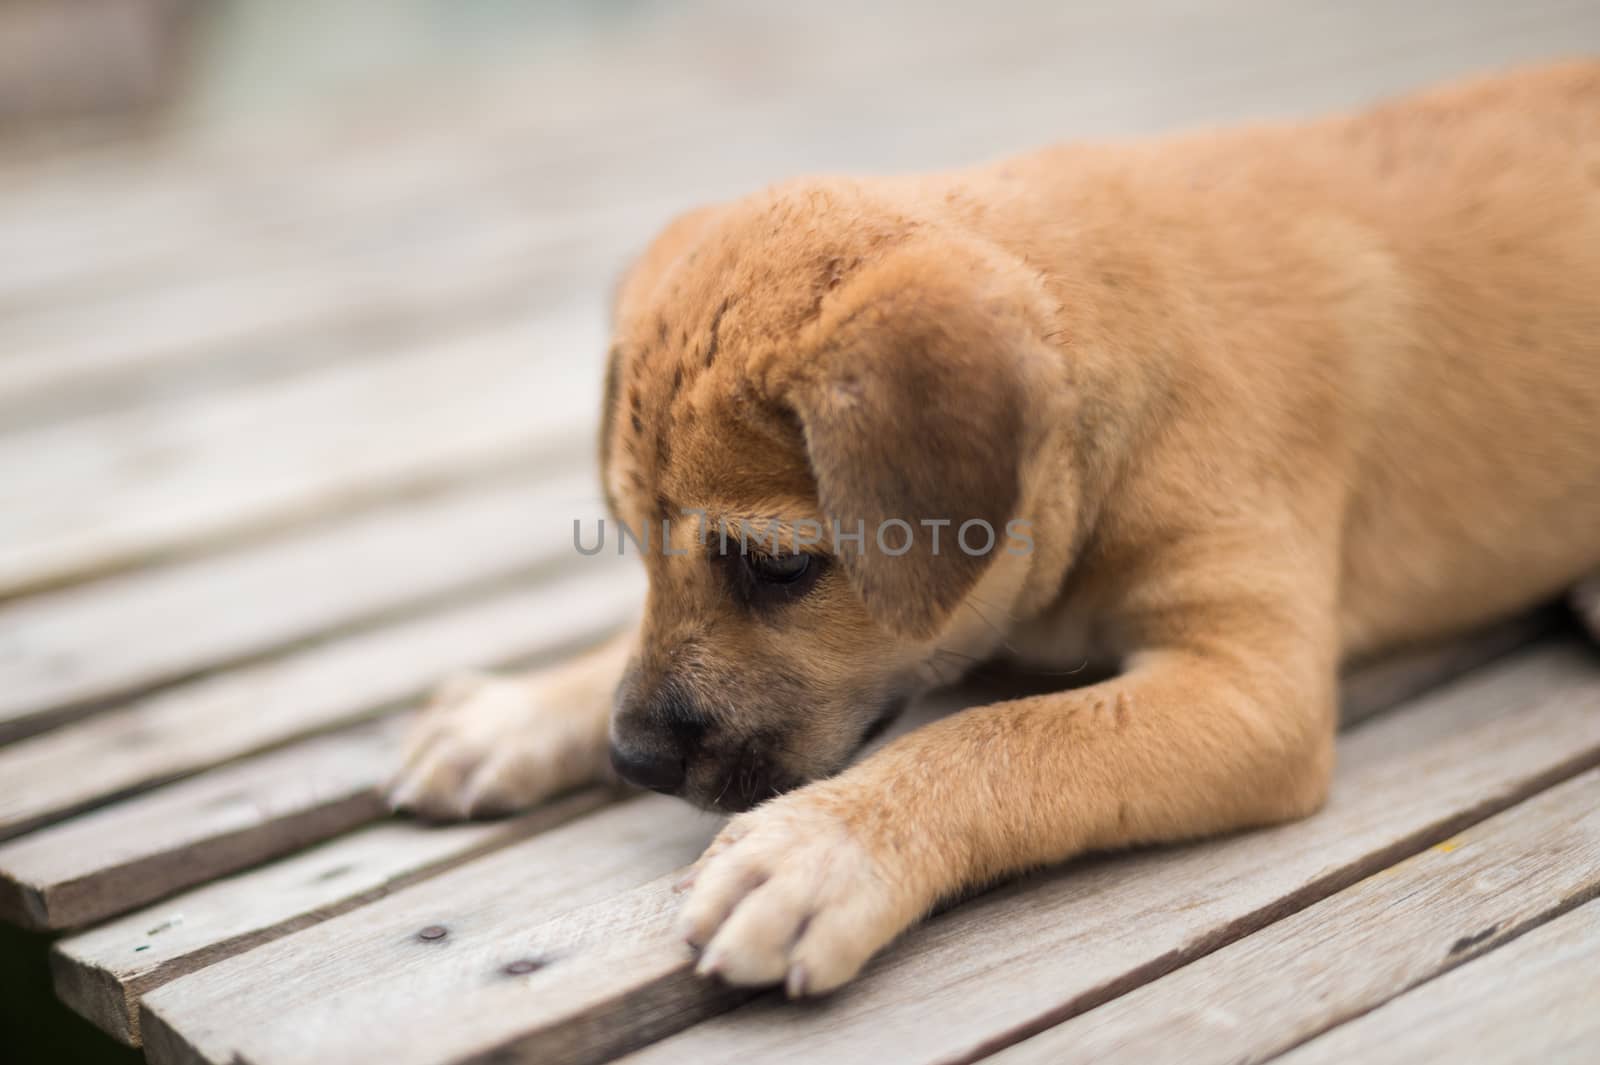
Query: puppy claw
(799,902)
(710,964)
(795,984)
(692,936)
(402,794)
(503,745)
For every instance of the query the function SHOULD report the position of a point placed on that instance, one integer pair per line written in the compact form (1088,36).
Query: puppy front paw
(487,746)
(788,894)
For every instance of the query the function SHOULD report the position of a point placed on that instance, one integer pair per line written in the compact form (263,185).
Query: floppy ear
(913,411)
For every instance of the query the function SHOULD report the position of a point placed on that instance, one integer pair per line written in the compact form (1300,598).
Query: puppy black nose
(661,771)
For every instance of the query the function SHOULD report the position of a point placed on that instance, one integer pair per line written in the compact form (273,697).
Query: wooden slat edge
(1531,1001)
(1359,948)
(111,1001)
(221,720)
(92,1000)
(392,569)
(1516,730)
(340,794)
(218,484)
(566,871)
(623,961)
(1375,686)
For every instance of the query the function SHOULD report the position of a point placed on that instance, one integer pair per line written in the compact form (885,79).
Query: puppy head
(820,410)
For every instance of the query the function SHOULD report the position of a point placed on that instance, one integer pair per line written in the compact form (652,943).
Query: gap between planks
(188,729)
(102,973)
(125,855)
(985,973)
(1531,1001)
(1370,690)
(69,653)
(1339,958)
(90,496)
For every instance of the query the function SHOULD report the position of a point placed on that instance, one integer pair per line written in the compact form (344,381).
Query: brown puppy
(1238,407)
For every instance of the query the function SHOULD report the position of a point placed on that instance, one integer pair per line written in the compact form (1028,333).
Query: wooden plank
(486,221)
(194,727)
(1060,939)
(1532,1001)
(359,157)
(213,909)
(103,972)
(115,859)
(224,918)
(1372,687)
(565,873)
(584,952)
(314,308)
(460,141)
(1351,953)
(61,654)
(83,497)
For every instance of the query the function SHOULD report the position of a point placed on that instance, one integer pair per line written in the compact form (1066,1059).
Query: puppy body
(1268,400)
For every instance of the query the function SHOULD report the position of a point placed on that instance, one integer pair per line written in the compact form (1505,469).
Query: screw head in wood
(433,931)
(522,965)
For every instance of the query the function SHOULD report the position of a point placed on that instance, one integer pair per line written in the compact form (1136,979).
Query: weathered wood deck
(294,422)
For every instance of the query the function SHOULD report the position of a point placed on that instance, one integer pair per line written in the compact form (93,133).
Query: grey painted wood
(1351,953)
(1532,1001)
(1388,681)
(1013,962)
(219,444)
(103,972)
(86,974)
(63,653)
(546,901)
(87,496)
(194,727)
(1059,940)
(121,857)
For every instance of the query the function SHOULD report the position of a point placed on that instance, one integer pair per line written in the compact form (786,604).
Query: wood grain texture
(551,900)
(1391,680)
(102,973)
(124,856)
(1062,939)
(1002,966)
(1531,1001)
(66,654)
(87,496)
(191,728)
(1350,953)
(99,977)
(86,975)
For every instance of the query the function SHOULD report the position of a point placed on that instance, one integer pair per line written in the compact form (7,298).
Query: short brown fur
(1269,399)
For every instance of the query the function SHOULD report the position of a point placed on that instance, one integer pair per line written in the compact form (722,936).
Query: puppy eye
(779,569)
(764,581)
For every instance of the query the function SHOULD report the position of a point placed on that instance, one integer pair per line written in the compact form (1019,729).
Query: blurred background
(217,192)
(282,282)
(263,260)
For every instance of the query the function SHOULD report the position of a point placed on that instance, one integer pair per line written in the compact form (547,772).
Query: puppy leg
(1224,719)
(489,745)
(1586,601)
